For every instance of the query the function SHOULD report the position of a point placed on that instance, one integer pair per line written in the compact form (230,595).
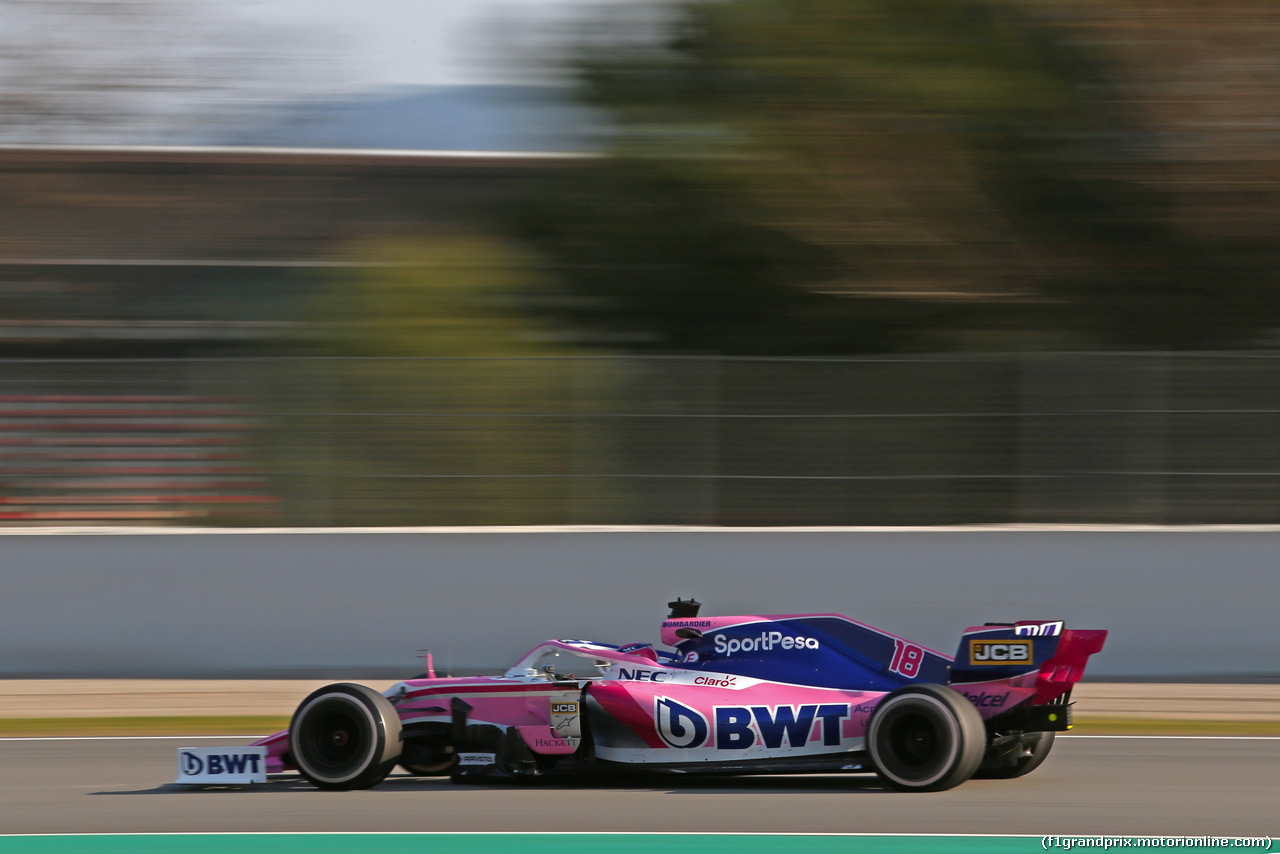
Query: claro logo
(765,642)
(999,652)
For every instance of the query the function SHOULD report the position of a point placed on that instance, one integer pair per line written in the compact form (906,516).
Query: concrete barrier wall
(1178,602)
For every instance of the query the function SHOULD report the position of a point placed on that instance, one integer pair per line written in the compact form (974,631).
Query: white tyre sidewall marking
(373,742)
(872,739)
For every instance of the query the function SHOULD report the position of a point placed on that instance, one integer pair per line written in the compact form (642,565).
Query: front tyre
(925,738)
(345,736)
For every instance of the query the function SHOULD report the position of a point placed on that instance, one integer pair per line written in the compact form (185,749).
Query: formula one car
(810,693)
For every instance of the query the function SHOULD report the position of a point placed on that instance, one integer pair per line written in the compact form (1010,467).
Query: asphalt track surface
(1089,785)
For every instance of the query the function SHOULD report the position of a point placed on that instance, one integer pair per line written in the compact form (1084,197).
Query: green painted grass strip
(520,843)
(257,725)
(1091,725)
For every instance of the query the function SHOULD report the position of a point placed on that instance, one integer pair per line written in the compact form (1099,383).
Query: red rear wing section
(1066,667)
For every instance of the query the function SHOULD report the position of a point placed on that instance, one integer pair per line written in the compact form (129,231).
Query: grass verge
(1090,725)
(259,725)
(256,725)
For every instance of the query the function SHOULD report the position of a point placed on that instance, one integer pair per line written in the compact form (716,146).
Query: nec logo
(643,675)
(999,652)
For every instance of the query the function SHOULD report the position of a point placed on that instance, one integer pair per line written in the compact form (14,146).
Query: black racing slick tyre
(1016,760)
(925,738)
(345,736)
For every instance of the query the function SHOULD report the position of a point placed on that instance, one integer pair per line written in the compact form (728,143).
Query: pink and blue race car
(810,693)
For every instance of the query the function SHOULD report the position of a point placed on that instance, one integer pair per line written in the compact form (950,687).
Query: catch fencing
(1093,438)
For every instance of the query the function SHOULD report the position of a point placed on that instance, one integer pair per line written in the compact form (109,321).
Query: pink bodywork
(635,688)
(517,699)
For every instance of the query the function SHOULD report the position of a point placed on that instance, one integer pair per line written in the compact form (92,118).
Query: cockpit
(558,663)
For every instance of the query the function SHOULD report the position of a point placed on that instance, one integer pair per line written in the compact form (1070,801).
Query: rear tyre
(345,736)
(925,738)
(1027,756)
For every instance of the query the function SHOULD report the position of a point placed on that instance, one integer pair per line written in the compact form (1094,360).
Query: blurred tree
(452,296)
(449,406)
(130,71)
(851,175)
(655,257)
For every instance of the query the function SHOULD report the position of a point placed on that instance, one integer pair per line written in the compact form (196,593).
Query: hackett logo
(1000,652)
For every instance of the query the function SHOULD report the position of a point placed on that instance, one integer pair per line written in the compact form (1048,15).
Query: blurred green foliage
(835,176)
(448,296)
(414,423)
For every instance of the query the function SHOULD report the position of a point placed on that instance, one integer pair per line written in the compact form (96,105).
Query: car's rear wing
(1027,654)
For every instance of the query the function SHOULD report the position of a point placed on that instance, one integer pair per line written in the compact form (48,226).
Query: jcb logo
(564,708)
(999,652)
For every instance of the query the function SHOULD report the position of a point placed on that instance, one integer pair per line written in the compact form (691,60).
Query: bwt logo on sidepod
(678,725)
(767,641)
(999,652)
(740,727)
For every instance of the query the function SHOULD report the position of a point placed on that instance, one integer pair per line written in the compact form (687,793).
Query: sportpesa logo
(765,642)
(999,652)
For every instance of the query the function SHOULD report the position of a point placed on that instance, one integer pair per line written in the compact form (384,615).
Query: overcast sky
(82,71)
(428,42)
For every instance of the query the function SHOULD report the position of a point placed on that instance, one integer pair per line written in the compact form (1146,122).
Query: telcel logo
(999,652)
(766,641)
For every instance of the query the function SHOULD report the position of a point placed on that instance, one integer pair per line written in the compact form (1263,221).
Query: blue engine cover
(827,652)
